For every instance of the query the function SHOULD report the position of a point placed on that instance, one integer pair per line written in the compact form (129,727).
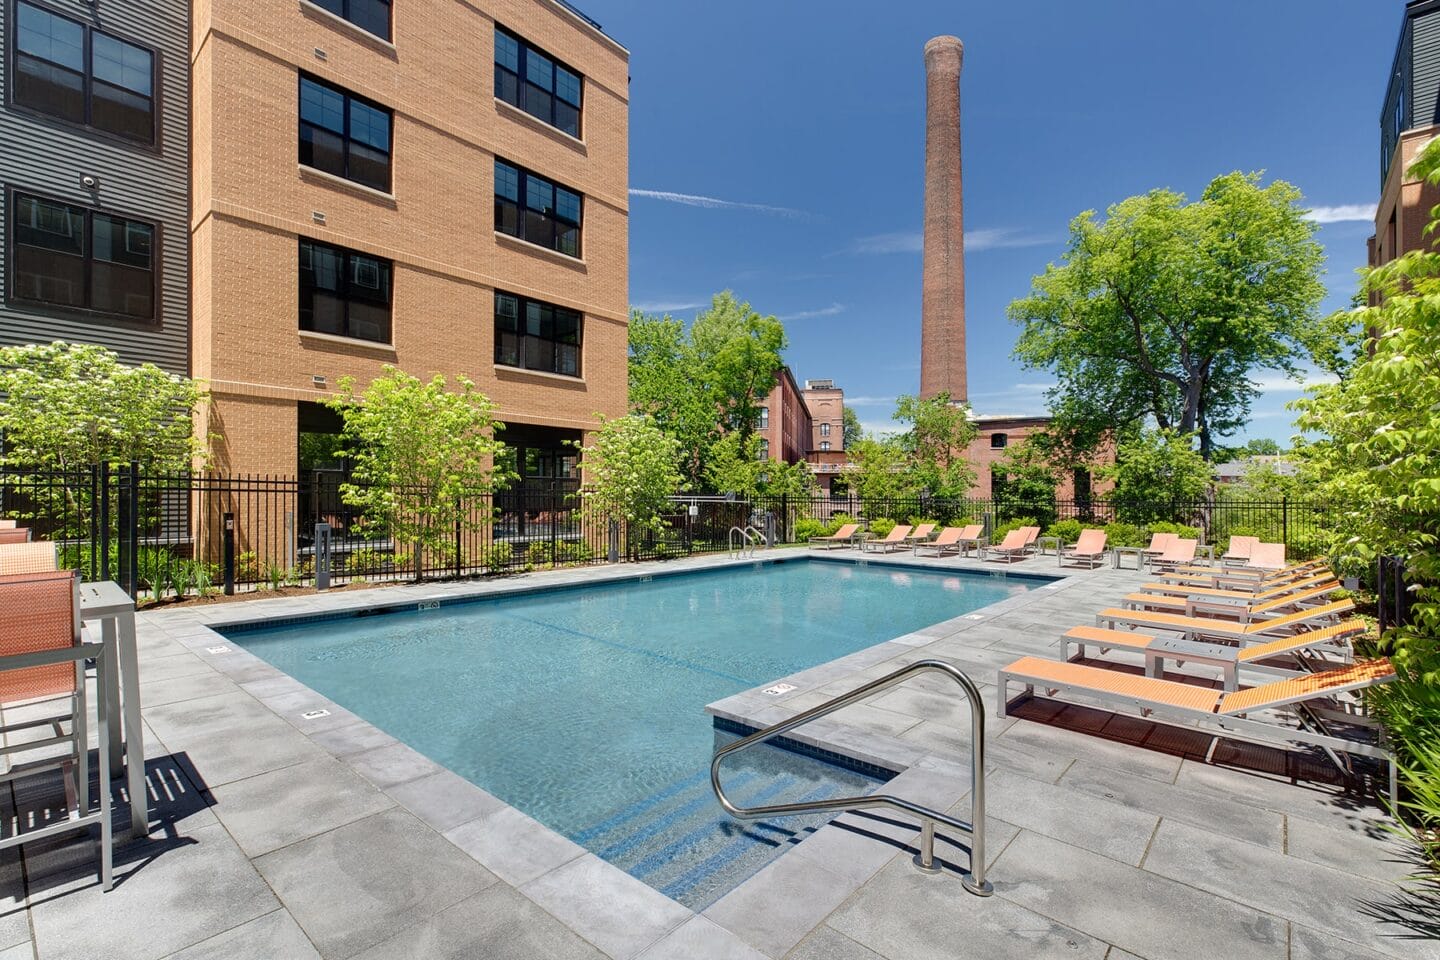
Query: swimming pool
(584,707)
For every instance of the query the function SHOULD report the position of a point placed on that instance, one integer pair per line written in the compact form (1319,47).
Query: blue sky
(777,149)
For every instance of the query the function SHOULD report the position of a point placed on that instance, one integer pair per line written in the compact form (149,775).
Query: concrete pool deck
(277,835)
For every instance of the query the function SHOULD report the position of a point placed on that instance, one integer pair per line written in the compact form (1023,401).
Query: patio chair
(1015,545)
(15,535)
(947,542)
(42,670)
(1239,550)
(7,524)
(1244,609)
(23,558)
(972,537)
(1265,593)
(1267,556)
(840,538)
(1180,551)
(1244,578)
(921,533)
(1159,542)
(1225,713)
(1089,549)
(894,540)
(1207,627)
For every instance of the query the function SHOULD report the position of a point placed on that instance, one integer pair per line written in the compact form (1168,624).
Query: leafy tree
(852,432)
(629,470)
(1154,469)
(420,453)
(712,380)
(1030,481)
(938,434)
(1164,309)
(735,466)
(879,470)
(1261,447)
(74,405)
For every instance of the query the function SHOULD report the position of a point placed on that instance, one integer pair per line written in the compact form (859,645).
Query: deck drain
(314,714)
(778,689)
(217,650)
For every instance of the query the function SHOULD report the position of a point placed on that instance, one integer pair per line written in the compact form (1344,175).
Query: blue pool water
(584,707)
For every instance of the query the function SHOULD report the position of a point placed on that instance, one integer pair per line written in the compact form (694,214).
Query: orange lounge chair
(972,537)
(922,532)
(1224,712)
(1243,577)
(1180,551)
(840,538)
(1182,590)
(1239,550)
(1015,545)
(1244,608)
(1089,550)
(894,540)
(1159,543)
(1267,556)
(15,535)
(8,524)
(25,558)
(1203,627)
(947,542)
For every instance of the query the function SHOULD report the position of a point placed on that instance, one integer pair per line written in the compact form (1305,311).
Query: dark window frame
(999,441)
(345,137)
(67,311)
(522,336)
(521,81)
(389,35)
(13,53)
(521,206)
(346,254)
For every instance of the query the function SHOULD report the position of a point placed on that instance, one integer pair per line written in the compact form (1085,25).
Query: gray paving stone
(21,951)
(1324,898)
(774,909)
(445,800)
(1136,910)
(514,846)
(1308,944)
(155,691)
(14,925)
(229,737)
(1311,801)
(275,935)
(168,668)
(1367,850)
(272,810)
(1123,757)
(701,939)
(167,895)
(364,882)
(498,922)
(351,738)
(1114,830)
(908,915)
(392,765)
(606,906)
(827,943)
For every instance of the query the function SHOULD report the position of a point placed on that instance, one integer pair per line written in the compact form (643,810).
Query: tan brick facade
(253,200)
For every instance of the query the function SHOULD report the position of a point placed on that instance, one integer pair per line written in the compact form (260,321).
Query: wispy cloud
(1279,383)
(863,401)
(715,203)
(666,306)
(830,311)
(1343,213)
(976,241)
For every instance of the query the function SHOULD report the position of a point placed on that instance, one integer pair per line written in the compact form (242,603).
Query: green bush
(365,560)
(881,526)
(806,527)
(836,522)
(998,534)
(1179,529)
(498,556)
(539,554)
(1067,530)
(574,551)
(1125,535)
(1409,706)
(916,521)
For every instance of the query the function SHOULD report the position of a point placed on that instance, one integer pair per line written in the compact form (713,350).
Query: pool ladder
(974,881)
(743,541)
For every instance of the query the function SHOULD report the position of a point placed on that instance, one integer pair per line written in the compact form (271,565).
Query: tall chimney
(942,312)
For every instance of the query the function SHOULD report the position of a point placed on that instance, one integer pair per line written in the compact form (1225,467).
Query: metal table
(1055,542)
(1174,648)
(115,610)
(1226,605)
(1137,552)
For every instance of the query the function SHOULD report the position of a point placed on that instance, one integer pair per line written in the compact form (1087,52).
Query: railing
(974,881)
(743,541)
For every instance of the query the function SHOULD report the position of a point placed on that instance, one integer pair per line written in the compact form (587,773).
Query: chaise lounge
(1089,550)
(840,538)
(894,540)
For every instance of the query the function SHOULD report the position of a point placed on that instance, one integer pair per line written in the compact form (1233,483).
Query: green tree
(1164,309)
(852,432)
(735,466)
(935,442)
(1152,470)
(1261,447)
(879,471)
(630,469)
(73,405)
(1030,481)
(420,454)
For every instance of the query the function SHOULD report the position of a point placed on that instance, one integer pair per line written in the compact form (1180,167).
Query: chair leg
(82,741)
(107,854)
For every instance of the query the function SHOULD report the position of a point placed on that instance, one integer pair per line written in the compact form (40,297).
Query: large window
(534,209)
(344,293)
(342,134)
(536,83)
(762,421)
(81,259)
(824,429)
(372,16)
(79,74)
(536,336)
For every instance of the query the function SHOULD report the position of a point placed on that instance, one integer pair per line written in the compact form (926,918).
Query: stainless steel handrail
(974,881)
(750,538)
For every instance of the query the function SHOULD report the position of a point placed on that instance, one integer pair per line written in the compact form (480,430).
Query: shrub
(1125,535)
(573,551)
(539,554)
(497,557)
(1179,529)
(881,526)
(837,521)
(998,534)
(806,527)
(1067,530)
(366,560)
(915,521)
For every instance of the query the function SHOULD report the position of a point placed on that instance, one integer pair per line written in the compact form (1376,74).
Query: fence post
(554,530)
(102,541)
(459,506)
(227,552)
(1285,521)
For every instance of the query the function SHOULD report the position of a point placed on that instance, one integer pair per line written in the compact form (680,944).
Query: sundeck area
(282,825)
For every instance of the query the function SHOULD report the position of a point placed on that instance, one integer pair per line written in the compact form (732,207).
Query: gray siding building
(94,173)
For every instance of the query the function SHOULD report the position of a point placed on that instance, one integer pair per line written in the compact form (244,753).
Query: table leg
(134,730)
(1154,666)
(110,696)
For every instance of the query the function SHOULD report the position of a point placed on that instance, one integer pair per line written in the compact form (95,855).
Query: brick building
(785,427)
(437,186)
(1409,119)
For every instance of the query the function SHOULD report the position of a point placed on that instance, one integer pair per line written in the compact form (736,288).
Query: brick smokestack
(942,327)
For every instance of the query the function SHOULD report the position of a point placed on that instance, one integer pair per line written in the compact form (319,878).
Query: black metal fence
(164,535)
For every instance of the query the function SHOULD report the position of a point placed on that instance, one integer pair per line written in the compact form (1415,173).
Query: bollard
(228,535)
(322,556)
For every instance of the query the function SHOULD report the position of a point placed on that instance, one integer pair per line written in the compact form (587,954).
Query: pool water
(584,707)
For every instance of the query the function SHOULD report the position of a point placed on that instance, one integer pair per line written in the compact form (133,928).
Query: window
(824,429)
(344,135)
(999,441)
(534,209)
(763,423)
(764,453)
(536,83)
(67,70)
(81,259)
(372,16)
(536,336)
(344,293)
(824,445)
